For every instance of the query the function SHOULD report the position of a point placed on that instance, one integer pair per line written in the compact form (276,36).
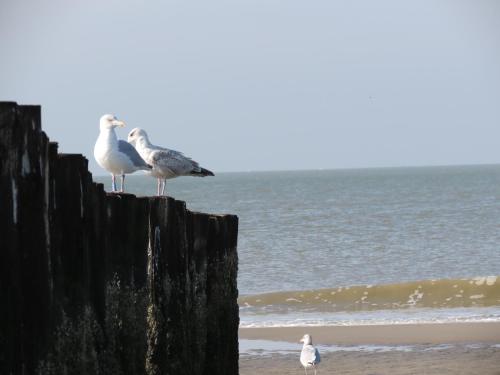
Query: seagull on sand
(166,163)
(309,357)
(116,156)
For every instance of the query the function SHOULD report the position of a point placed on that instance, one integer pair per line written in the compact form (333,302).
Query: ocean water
(264,348)
(364,246)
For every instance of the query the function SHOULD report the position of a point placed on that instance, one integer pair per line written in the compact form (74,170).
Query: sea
(357,246)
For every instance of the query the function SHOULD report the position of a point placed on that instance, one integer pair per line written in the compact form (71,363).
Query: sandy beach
(455,348)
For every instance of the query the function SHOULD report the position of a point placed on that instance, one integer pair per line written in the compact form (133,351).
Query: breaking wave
(474,292)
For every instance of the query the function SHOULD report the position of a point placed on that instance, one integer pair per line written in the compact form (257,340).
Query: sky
(246,85)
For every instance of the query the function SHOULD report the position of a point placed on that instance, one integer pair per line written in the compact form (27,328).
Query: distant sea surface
(361,246)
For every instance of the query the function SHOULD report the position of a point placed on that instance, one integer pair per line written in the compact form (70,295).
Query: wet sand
(382,334)
(462,357)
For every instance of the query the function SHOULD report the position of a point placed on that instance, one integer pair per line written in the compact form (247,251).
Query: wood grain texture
(98,283)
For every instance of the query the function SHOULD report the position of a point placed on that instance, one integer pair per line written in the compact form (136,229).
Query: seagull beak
(118,123)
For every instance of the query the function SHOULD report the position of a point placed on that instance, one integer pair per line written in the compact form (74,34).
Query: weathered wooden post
(97,283)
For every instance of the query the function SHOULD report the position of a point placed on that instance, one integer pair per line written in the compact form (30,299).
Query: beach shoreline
(396,334)
(404,349)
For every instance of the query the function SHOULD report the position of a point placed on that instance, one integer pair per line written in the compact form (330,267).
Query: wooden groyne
(97,283)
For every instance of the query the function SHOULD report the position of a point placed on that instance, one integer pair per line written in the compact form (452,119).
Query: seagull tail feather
(202,173)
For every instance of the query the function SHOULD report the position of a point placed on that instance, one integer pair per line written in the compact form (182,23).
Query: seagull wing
(132,154)
(318,357)
(174,161)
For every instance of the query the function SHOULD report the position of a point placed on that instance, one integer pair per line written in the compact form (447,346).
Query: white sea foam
(479,280)
(415,297)
(378,317)
(491,280)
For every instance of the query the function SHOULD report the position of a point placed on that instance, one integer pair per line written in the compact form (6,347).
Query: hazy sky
(264,84)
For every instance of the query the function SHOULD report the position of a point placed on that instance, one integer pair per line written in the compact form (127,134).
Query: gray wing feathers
(175,161)
(132,153)
(318,357)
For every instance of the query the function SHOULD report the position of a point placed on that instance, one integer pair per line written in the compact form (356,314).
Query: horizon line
(347,168)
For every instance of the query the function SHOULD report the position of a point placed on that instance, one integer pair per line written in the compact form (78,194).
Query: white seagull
(309,357)
(116,156)
(166,163)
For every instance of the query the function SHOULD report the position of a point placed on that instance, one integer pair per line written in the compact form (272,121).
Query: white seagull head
(306,339)
(137,134)
(110,122)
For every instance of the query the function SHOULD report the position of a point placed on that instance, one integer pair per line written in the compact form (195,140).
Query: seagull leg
(122,184)
(113,183)
(163,188)
(158,180)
